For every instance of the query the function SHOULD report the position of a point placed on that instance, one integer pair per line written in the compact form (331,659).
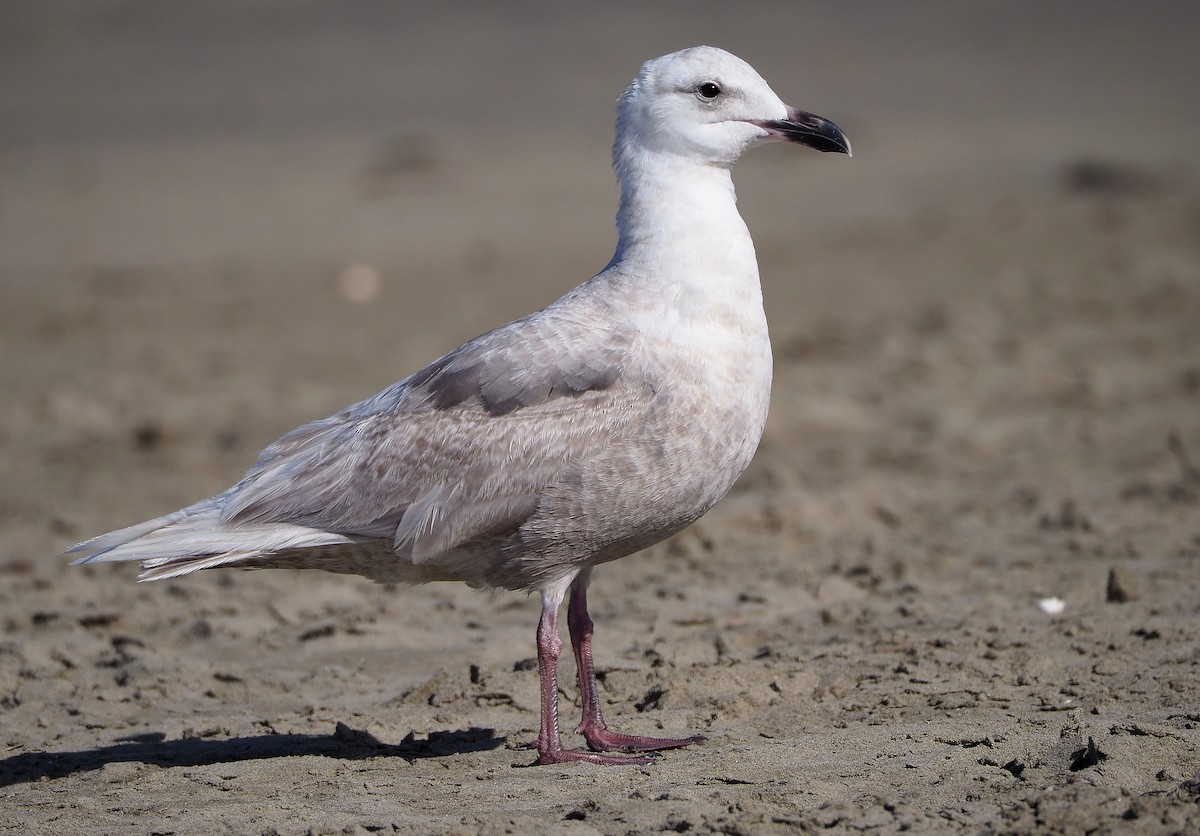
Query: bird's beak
(807,129)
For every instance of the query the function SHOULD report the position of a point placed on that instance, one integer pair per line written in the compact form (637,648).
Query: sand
(219,220)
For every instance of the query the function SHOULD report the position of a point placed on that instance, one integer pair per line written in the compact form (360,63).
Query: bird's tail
(197,537)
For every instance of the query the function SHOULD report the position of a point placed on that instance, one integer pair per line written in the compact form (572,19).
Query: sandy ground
(987,331)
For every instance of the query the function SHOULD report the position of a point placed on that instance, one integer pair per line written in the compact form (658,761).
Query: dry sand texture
(218,220)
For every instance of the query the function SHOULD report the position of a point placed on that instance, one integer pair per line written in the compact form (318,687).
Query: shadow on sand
(345,743)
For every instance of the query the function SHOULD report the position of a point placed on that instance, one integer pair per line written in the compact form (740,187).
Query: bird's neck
(679,218)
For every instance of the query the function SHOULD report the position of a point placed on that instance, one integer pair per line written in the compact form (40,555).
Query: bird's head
(707,104)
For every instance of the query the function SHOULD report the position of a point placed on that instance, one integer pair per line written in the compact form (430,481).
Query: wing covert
(462,449)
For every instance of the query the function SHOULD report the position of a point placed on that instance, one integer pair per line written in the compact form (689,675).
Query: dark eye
(709,90)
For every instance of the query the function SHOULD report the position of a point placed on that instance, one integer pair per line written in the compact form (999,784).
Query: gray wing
(459,451)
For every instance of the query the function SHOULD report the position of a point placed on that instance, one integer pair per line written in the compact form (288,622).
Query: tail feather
(97,547)
(173,567)
(197,538)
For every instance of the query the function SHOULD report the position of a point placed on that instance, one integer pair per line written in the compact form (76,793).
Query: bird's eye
(709,90)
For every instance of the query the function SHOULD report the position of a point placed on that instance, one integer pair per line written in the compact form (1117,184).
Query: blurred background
(221,219)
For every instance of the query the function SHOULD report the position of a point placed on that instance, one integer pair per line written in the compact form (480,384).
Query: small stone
(1121,587)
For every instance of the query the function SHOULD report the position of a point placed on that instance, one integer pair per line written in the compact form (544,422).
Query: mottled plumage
(579,434)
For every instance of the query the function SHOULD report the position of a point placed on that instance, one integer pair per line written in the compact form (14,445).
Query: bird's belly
(690,445)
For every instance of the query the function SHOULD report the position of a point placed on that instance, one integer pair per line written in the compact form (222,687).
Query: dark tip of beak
(808,129)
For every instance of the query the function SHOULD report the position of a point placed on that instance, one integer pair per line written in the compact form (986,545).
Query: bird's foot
(600,739)
(560,755)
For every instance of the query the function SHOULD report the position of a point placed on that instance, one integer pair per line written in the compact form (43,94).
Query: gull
(577,435)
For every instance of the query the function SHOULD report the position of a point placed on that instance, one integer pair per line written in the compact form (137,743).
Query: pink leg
(593,728)
(549,645)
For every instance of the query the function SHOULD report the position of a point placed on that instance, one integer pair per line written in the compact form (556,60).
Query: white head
(710,106)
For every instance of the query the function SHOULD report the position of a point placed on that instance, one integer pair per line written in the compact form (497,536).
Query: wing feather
(461,450)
